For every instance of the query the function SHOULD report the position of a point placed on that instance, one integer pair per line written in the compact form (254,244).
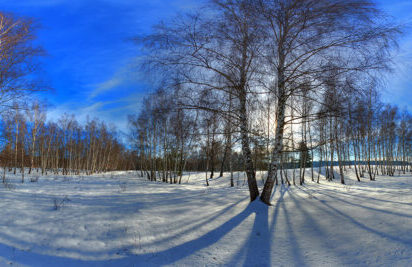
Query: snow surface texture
(117,219)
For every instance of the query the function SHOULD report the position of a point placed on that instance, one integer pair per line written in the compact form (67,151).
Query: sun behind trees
(273,74)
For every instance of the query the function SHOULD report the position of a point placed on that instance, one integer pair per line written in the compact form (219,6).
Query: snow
(119,219)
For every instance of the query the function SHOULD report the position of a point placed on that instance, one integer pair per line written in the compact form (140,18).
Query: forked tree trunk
(276,154)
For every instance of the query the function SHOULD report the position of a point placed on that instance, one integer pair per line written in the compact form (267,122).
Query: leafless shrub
(8,185)
(123,187)
(137,240)
(348,188)
(59,203)
(137,244)
(34,179)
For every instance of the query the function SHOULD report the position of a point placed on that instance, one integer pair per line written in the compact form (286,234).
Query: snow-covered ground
(118,219)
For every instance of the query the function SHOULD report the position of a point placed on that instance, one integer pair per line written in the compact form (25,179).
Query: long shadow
(256,249)
(168,256)
(283,189)
(365,197)
(259,244)
(317,231)
(272,230)
(296,250)
(361,206)
(199,223)
(181,251)
(331,209)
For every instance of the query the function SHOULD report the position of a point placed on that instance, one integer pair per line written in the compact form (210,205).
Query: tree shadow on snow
(323,205)
(205,241)
(257,250)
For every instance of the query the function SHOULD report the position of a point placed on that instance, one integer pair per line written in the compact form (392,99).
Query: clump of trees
(63,147)
(273,79)
(163,137)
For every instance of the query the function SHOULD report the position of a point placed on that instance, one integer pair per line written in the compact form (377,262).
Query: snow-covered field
(118,219)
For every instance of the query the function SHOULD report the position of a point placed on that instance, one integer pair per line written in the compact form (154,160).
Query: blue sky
(398,88)
(91,62)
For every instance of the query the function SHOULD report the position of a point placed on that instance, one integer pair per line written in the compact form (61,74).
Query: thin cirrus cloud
(107,111)
(107,86)
(126,77)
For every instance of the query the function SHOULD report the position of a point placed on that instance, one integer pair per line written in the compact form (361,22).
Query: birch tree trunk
(276,154)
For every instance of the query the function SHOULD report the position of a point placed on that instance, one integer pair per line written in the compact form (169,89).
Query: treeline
(30,143)
(282,82)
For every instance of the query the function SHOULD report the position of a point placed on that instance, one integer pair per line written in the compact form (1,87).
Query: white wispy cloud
(113,112)
(106,86)
(126,75)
